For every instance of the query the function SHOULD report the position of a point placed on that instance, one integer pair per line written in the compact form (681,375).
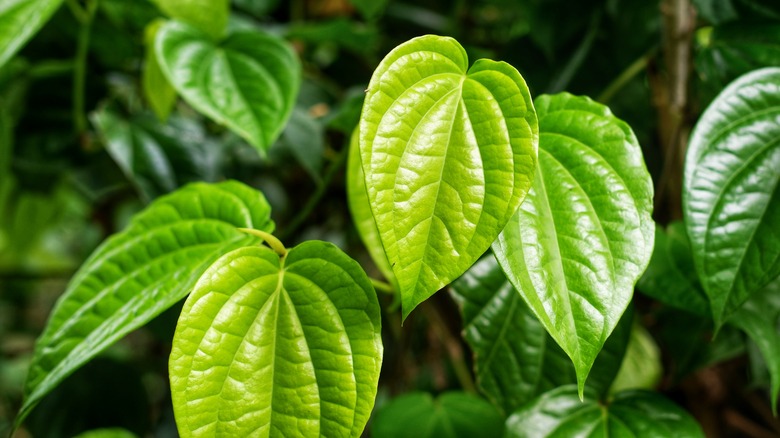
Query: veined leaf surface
(248,82)
(278,346)
(731,196)
(448,156)
(583,236)
(138,273)
(21,20)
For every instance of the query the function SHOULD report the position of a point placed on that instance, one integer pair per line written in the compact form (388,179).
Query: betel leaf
(640,414)
(370,9)
(448,156)
(451,415)
(21,20)
(641,367)
(584,235)
(731,196)
(138,273)
(159,93)
(209,16)
(514,357)
(278,345)
(248,82)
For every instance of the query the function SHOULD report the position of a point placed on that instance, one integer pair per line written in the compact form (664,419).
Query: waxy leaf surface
(448,154)
(248,82)
(278,346)
(639,414)
(138,273)
(583,236)
(731,195)
(21,19)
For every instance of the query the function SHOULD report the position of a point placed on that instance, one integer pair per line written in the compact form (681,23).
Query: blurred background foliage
(77,160)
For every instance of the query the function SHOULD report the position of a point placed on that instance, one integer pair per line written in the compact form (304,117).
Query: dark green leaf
(370,9)
(304,138)
(357,37)
(21,19)
(271,345)
(209,16)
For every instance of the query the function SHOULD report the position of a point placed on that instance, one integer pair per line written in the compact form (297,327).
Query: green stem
(626,76)
(382,286)
(77,10)
(268,238)
(80,66)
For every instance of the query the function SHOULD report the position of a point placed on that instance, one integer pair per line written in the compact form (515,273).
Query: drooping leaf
(138,273)
(248,82)
(640,414)
(21,20)
(270,345)
(451,415)
(448,155)
(159,93)
(731,196)
(209,16)
(583,236)
(641,367)
(671,275)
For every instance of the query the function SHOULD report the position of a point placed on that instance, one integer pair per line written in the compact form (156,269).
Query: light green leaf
(138,273)
(448,156)
(640,414)
(731,196)
(209,16)
(107,433)
(157,90)
(21,19)
(269,345)
(248,82)
(451,415)
(584,234)
(641,367)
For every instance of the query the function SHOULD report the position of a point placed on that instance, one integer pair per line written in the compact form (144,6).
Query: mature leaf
(209,16)
(584,235)
(451,415)
(269,345)
(304,137)
(515,359)
(641,367)
(640,414)
(157,90)
(248,82)
(671,275)
(136,274)
(448,156)
(731,196)
(21,20)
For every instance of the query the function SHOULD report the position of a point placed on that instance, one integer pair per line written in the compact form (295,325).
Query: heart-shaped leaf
(136,274)
(21,20)
(286,345)
(248,82)
(209,16)
(448,156)
(731,196)
(584,235)
(451,415)
(640,414)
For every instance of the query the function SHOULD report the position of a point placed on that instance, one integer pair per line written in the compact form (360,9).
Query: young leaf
(286,345)
(157,90)
(584,235)
(248,82)
(209,16)
(136,274)
(451,415)
(21,20)
(448,156)
(731,196)
(640,414)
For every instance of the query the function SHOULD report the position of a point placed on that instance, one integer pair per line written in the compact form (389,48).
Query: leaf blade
(21,20)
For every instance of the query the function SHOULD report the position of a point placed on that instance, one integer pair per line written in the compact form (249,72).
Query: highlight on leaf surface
(448,154)
(284,345)
(584,234)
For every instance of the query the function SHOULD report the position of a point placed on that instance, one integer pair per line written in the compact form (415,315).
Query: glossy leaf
(640,414)
(584,234)
(731,196)
(448,155)
(136,274)
(21,20)
(209,16)
(641,367)
(159,93)
(269,345)
(451,415)
(248,82)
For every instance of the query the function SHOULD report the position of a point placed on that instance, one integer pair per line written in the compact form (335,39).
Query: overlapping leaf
(584,235)
(448,155)
(21,19)
(731,196)
(248,82)
(269,345)
(136,274)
